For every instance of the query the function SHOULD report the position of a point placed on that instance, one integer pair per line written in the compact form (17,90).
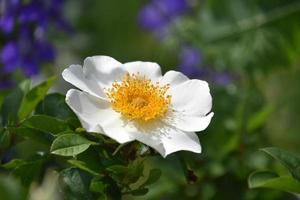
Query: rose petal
(166,139)
(96,115)
(104,69)
(173,78)
(177,140)
(74,75)
(187,122)
(191,98)
(150,70)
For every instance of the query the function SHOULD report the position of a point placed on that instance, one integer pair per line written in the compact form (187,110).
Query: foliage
(289,183)
(88,165)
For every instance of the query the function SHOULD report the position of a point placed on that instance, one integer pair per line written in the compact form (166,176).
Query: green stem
(118,148)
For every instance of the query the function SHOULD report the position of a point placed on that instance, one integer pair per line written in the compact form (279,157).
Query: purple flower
(42,12)
(172,8)
(191,65)
(223,78)
(190,62)
(24,29)
(30,66)
(158,14)
(150,19)
(190,56)
(27,53)
(6,23)
(8,9)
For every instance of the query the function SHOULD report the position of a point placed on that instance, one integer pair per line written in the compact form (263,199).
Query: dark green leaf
(266,179)
(33,97)
(106,188)
(54,105)
(28,171)
(70,145)
(10,106)
(33,134)
(77,184)
(134,172)
(83,166)
(127,175)
(88,161)
(47,124)
(4,139)
(154,175)
(3,94)
(74,123)
(289,160)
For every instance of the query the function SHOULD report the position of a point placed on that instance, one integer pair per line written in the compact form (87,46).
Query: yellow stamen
(137,98)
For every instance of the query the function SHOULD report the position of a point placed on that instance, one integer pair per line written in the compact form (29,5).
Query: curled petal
(166,139)
(74,75)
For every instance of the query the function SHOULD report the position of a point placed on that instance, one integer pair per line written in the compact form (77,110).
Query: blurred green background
(258,42)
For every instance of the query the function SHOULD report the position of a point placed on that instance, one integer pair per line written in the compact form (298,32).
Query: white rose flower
(133,101)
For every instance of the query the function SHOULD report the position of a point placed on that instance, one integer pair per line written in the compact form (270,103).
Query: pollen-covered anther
(137,98)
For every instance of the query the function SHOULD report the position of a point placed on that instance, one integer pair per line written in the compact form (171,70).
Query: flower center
(137,98)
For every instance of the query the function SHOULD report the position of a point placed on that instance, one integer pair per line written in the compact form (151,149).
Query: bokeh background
(248,51)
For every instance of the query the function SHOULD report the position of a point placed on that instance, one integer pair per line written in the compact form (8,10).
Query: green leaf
(13,164)
(89,161)
(5,139)
(259,118)
(47,124)
(98,186)
(287,159)
(11,189)
(33,97)
(118,173)
(70,145)
(83,166)
(32,134)
(25,85)
(76,184)
(54,105)
(266,179)
(134,172)
(127,175)
(10,106)
(3,94)
(105,187)
(154,175)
